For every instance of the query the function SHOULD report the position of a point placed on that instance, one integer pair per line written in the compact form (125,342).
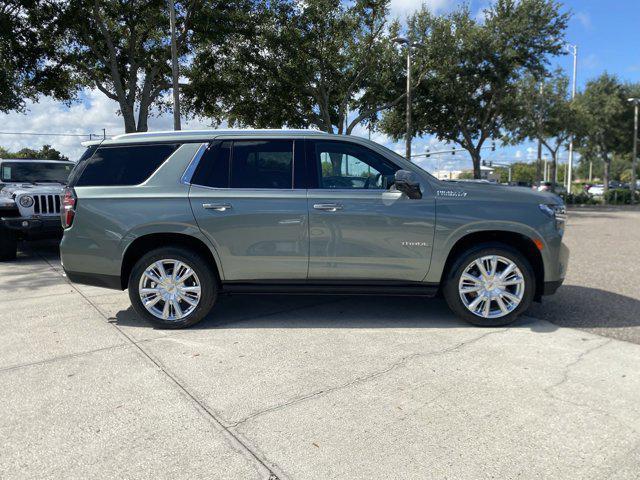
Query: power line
(54,134)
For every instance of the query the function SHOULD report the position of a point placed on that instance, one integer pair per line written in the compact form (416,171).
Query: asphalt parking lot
(296,387)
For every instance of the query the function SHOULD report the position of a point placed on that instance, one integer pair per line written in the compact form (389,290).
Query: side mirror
(407,182)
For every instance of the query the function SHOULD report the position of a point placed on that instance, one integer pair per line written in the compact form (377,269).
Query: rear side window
(262,164)
(123,165)
(247,164)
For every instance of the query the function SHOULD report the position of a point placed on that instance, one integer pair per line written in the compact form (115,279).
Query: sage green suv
(179,218)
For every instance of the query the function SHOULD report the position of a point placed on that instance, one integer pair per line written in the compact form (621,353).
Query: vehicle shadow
(583,307)
(326,311)
(572,306)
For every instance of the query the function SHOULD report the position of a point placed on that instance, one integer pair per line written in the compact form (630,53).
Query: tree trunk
(539,164)
(554,168)
(605,159)
(336,163)
(475,157)
(129,118)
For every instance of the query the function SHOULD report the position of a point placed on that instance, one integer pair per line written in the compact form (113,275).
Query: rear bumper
(33,227)
(551,287)
(95,280)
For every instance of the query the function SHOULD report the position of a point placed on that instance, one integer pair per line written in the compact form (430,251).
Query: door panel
(258,234)
(244,200)
(371,235)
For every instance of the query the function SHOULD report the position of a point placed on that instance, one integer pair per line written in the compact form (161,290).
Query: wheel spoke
(513,281)
(474,305)
(475,288)
(150,291)
(152,275)
(483,271)
(486,311)
(503,307)
(187,273)
(176,270)
(505,273)
(511,297)
(193,289)
(191,301)
(494,265)
(165,310)
(150,302)
(176,308)
(160,267)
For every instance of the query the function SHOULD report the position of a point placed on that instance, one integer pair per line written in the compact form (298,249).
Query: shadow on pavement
(307,311)
(584,307)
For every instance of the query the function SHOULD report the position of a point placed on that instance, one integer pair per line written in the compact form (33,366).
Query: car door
(359,228)
(244,199)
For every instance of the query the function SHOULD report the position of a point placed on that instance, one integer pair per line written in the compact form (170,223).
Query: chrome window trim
(187,176)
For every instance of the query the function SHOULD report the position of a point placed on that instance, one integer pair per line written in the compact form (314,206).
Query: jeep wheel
(172,287)
(8,245)
(490,285)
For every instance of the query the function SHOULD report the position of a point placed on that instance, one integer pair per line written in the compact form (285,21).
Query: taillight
(68,210)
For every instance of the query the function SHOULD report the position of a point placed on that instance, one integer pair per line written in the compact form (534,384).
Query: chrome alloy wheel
(491,286)
(169,289)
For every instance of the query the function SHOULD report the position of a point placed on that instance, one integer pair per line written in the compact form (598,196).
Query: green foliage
(603,106)
(474,67)
(581,198)
(299,64)
(27,56)
(45,153)
(620,196)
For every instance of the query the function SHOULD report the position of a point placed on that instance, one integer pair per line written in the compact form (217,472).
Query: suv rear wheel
(490,285)
(172,287)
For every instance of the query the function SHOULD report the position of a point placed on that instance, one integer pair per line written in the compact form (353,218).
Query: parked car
(547,187)
(179,218)
(30,201)
(596,190)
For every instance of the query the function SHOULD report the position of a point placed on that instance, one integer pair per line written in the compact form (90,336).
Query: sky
(605,31)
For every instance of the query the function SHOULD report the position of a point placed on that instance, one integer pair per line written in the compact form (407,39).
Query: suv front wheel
(490,285)
(172,287)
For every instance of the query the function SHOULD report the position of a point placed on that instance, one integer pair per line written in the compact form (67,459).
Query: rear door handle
(328,207)
(218,207)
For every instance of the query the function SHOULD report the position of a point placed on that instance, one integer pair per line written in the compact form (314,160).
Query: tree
(474,67)
(607,117)
(27,68)
(45,153)
(543,111)
(300,64)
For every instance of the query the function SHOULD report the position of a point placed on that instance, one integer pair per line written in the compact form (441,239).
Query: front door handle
(328,207)
(218,207)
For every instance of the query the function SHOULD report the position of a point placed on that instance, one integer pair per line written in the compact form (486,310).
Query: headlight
(26,201)
(557,212)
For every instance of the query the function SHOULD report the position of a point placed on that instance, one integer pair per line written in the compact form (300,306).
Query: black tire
(201,267)
(452,294)
(8,245)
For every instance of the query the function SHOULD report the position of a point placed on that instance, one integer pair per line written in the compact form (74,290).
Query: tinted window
(130,165)
(342,165)
(35,172)
(262,164)
(213,168)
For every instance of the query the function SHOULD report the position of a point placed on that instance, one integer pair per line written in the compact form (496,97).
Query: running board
(332,288)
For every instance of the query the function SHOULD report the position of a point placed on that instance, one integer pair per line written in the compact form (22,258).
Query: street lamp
(174,67)
(573,49)
(634,160)
(410,45)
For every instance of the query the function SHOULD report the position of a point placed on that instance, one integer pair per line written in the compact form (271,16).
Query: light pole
(634,160)
(409,127)
(174,67)
(573,49)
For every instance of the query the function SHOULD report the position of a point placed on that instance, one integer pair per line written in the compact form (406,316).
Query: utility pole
(574,50)
(634,160)
(174,67)
(409,127)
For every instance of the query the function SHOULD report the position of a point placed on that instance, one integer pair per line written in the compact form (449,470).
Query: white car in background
(596,190)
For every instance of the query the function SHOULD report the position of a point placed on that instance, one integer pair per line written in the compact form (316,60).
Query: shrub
(620,196)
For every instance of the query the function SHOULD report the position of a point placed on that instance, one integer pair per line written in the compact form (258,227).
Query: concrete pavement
(302,388)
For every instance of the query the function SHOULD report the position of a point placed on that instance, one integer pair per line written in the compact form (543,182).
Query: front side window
(122,165)
(347,166)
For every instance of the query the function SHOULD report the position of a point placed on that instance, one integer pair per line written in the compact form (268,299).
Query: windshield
(35,172)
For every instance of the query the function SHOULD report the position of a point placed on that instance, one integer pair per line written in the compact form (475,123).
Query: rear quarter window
(122,165)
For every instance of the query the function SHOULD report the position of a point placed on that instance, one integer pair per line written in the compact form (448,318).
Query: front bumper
(33,226)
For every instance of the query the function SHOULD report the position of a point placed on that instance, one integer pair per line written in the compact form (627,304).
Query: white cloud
(93,113)
(403,8)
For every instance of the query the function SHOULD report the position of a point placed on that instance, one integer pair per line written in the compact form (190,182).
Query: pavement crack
(239,445)
(362,379)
